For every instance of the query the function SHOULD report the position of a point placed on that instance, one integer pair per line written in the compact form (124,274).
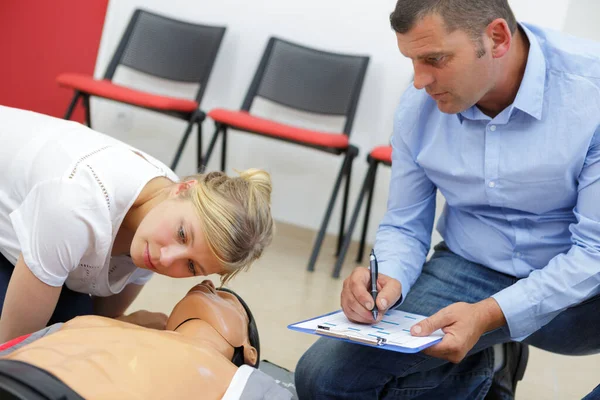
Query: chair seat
(242,120)
(107,89)
(382,154)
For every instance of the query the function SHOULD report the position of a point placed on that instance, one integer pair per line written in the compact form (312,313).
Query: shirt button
(492,184)
(493,128)
(518,254)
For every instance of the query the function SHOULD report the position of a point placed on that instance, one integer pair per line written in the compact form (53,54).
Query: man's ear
(182,187)
(499,32)
(250,355)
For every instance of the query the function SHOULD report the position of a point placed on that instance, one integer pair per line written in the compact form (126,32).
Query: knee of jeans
(307,373)
(317,374)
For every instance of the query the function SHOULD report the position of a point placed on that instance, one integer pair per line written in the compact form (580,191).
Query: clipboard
(392,333)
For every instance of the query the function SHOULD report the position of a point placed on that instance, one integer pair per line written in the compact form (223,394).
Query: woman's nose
(170,254)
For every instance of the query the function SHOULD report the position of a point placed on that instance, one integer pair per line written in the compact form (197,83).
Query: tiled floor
(280,291)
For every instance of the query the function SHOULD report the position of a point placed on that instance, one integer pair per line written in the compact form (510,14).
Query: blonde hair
(235,213)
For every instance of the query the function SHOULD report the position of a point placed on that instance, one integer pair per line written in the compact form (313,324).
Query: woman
(85,220)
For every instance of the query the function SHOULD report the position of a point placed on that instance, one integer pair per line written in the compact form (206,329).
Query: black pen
(374,276)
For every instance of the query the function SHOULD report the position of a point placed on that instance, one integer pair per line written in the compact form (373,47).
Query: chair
(305,79)
(379,155)
(161,47)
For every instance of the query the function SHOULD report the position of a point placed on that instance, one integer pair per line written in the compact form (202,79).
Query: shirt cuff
(518,311)
(393,271)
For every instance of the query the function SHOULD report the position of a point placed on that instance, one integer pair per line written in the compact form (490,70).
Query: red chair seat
(244,121)
(382,154)
(107,89)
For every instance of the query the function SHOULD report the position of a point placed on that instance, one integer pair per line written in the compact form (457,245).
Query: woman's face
(170,241)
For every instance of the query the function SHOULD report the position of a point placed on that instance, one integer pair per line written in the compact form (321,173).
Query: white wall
(302,178)
(582,19)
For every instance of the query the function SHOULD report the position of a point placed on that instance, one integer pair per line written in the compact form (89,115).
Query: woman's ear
(250,355)
(182,187)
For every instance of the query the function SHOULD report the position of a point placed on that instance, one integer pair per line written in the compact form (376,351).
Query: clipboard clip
(327,331)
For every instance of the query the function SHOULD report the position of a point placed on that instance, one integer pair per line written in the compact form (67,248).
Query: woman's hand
(147,319)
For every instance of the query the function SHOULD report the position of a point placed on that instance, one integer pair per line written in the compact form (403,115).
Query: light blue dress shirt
(522,189)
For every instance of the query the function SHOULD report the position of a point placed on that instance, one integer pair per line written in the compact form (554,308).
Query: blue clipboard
(378,341)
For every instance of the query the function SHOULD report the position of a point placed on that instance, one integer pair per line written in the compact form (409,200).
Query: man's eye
(181,234)
(191,267)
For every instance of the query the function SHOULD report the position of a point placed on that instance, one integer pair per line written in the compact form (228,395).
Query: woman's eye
(191,267)
(181,234)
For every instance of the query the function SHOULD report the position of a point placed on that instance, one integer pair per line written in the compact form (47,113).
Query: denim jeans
(70,304)
(335,369)
(594,394)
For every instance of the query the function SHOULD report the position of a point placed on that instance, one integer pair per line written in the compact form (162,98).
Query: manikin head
(221,317)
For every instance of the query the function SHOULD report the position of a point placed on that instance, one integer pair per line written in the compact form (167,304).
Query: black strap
(22,381)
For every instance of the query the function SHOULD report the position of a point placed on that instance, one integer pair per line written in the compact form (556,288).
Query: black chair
(161,47)
(379,155)
(305,79)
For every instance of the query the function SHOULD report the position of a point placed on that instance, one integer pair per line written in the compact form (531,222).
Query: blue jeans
(335,369)
(70,304)
(594,394)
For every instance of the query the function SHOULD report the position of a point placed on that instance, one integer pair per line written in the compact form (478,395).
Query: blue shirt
(522,189)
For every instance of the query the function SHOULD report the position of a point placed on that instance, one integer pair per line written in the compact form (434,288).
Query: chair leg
(212,143)
(88,114)
(182,142)
(199,148)
(348,237)
(344,208)
(224,149)
(363,236)
(336,187)
(72,105)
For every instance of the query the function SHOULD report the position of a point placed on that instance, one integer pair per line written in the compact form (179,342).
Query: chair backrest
(168,48)
(309,79)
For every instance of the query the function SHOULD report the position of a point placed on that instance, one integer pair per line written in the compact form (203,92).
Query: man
(206,352)
(503,119)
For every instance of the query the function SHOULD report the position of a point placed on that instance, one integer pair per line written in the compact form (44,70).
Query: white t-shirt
(64,191)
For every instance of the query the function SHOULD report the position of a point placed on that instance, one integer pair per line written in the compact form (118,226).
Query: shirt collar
(530,97)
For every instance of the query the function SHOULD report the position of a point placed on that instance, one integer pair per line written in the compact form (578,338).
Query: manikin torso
(141,363)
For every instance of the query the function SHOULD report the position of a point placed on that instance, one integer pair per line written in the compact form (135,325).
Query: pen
(374,276)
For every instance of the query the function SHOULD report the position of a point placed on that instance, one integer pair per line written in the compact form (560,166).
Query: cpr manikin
(207,334)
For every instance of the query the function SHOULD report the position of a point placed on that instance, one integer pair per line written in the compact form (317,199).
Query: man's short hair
(471,16)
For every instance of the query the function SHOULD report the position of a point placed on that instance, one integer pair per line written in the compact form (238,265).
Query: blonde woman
(86,220)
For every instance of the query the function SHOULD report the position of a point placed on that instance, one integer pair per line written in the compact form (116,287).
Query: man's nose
(422,78)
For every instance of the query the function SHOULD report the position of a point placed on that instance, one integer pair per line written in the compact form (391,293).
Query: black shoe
(504,385)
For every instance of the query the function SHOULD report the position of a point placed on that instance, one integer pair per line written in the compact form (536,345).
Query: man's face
(449,66)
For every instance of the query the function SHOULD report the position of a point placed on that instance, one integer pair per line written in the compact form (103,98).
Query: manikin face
(170,240)
(447,65)
(216,316)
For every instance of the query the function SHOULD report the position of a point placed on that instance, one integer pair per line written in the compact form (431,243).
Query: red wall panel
(40,39)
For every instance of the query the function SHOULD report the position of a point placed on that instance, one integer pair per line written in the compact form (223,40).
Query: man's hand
(463,325)
(357,302)
(153,320)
